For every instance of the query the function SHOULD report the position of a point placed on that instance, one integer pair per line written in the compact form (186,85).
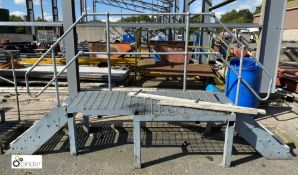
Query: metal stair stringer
(261,139)
(34,137)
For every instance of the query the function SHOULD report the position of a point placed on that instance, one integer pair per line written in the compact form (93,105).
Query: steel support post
(30,16)
(137,143)
(72,134)
(204,40)
(94,9)
(83,8)
(71,47)
(271,37)
(170,21)
(86,124)
(175,19)
(228,146)
(55,15)
(185,9)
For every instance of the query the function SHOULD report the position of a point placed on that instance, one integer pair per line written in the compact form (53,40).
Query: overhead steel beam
(169,25)
(70,41)
(190,2)
(128,24)
(129,4)
(33,24)
(221,4)
(127,8)
(271,37)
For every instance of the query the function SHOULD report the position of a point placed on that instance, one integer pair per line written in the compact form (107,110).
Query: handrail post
(186,51)
(47,52)
(239,76)
(14,82)
(108,50)
(55,77)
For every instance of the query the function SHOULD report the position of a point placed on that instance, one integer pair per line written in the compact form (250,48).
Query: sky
(18,7)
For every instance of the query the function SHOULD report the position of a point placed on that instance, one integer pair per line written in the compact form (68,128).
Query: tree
(234,16)
(258,9)
(142,18)
(17,19)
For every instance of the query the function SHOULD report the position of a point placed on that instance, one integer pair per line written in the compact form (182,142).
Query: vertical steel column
(137,143)
(30,16)
(55,15)
(271,37)
(170,20)
(185,9)
(108,51)
(56,78)
(175,18)
(71,47)
(94,9)
(204,40)
(186,52)
(228,147)
(83,8)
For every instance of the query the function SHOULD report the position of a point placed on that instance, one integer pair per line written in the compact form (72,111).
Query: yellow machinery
(129,61)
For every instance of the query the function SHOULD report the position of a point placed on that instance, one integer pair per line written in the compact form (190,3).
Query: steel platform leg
(2,116)
(72,134)
(229,135)
(86,125)
(137,143)
(208,127)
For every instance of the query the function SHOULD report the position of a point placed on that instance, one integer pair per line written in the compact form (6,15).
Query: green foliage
(258,9)
(234,16)
(17,19)
(143,18)
(39,19)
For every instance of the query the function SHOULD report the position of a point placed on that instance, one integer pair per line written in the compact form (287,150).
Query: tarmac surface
(167,148)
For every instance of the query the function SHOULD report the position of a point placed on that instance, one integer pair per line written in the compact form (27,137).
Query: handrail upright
(56,78)
(108,51)
(186,51)
(14,82)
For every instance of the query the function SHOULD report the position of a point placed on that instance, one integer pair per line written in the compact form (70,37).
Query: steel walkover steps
(118,103)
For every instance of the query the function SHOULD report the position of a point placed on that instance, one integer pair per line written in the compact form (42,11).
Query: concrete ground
(168,150)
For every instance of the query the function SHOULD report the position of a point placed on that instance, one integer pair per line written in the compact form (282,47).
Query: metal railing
(108,53)
(240,67)
(14,82)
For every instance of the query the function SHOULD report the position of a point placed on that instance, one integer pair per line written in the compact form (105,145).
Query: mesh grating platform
(106,102)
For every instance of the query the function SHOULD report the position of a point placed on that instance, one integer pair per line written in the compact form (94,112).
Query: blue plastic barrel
(250,73)
(212,88)
(127,38)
